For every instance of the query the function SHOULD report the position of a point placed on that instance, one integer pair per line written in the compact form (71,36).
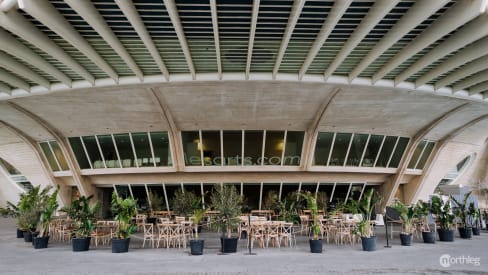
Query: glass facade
(232,144)
(54,156)
(293,147)
(253,145)
(347,149)
(191,148)
(421,154)
(15,175)
(122,150)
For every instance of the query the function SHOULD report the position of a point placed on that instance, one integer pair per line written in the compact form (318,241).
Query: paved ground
(17,257)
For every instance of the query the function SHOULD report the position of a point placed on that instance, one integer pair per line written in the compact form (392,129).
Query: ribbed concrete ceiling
(435,46)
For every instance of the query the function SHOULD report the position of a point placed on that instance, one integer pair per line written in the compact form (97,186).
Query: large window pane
(59,155)
(289,190)
(93,152)
(156,196)
(372,150)
(253,146)
(123,191)
(399,150)
(339,151)
(140,194)
(108,151)
(322,148)
(270,196)
(170,191)
(211,148)
(122,141)
(386,151)
(232,147)
(416,154)
(273,148)
(293,148)
(251,195)
(49,156)
(162,153)
(357,148)
(9,168)
(191,148)
(79,152)
(425,155)
(143,149)
(340,194)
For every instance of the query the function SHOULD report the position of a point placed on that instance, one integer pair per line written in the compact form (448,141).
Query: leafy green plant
(228,203)
(11,210)
(422,208)
(156,201)
(30,206)
(365,207)
(185,202)
(312,206)
(50,204)
(408,215)
(197,218)
(473,215)
(461,210)
(288,211)
(322,201)
(83,214)
(442,210)
(124,209)
(271,202)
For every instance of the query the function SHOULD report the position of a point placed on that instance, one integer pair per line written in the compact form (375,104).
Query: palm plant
(365,207)
(462,209)
(124,209)
(423,208)
(197,218)
(83,214)
(442,210)
(312,206)
(473,215)
(30,207)
(408,216)
(50,205)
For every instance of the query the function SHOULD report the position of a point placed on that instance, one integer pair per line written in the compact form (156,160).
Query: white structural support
(5,89)
(43,11)
(374,16)
(13,80)
(330,22)
(420,11)
(215,26)
(468,69)
(129,10)
(462,57)
(175,20)
(470,81)
(18,25)
(252,33)
(9,63)
(90,14)
(476,89)
(473,31)
(452,19)
(296,10)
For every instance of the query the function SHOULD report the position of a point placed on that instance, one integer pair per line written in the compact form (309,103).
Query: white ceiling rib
(13,80)
(13,65)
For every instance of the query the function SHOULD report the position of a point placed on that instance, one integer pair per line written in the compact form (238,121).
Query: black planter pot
(446,235)
(34,236)
(315,246)
(229,245)
(27,236)
(406,239)
(429,237)
(81,244)
(199,229)
(476,231)
(20,233)
(120,245)
(196,247)
(465,232)
(369,244)
(40,242)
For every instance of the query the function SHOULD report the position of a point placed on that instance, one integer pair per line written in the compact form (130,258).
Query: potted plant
(227,202)
(407,216)
(442,210)
(423,209)
(473,216)
(29,209)
(315,242)
(184,203)
(365,207)
(196,245)
(50,205)
(124,209)
(84,216)
(12,210)
(461,212)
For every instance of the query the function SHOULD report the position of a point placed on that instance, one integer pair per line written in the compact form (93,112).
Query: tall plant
(83,214)
(30,207)
(408,215)
(473,215)
(197,218)
(365,207)
(442,210)
(50,204)
(312,206)
(185,202)
(461,210)
(124,209)
(156,201)
(422,208)
(227,202)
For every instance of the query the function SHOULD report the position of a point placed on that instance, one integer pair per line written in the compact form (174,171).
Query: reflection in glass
(122,141)
(253,146)
(123,191)
(372,150)
(397,155)
(339,151)
(59,155)
(9,168)
(232,147)
(108,151)
(170,191)
(191,148)
(416,154)
(289,191)
(49,156)
(140,194)
(322,148)
(357,148)
(79,153)
(425,155)
(293,148)
(162,153)
(211,148)
(143,149)
(386,151)
(93,152)
(309,186)
(273,148)
(252,193)
(156,196)
(270,196)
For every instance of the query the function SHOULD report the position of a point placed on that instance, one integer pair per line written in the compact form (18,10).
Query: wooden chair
(148,234)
